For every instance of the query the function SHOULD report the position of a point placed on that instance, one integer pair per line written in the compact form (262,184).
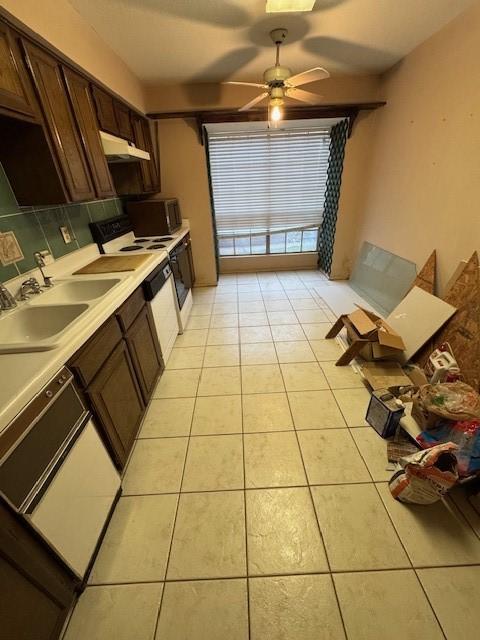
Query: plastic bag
(465,434)
(426,475)
(454,401)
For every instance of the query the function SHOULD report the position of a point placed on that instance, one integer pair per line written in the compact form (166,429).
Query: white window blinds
(265,181)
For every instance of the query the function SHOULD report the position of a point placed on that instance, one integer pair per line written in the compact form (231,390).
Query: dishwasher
(56,473)
(159,291)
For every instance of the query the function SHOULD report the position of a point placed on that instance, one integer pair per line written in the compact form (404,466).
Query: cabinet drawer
(90,358)
(130,309)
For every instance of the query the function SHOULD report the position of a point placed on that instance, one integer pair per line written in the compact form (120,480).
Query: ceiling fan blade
(312,75)
(303,96)
(253,102)
(246,84)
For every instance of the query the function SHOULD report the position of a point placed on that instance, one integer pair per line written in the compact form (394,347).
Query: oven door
(181,271)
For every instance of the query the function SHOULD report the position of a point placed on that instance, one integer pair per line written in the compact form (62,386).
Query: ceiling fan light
(276,113)
(285,6)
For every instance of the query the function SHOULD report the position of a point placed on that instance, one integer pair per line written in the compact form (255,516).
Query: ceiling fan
(279,82)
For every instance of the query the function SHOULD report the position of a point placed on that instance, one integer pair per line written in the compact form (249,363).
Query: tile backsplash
(38,228)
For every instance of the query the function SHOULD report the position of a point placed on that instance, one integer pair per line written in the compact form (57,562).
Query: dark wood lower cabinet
(36,590)
(116,371)
(116,398)
(145,351)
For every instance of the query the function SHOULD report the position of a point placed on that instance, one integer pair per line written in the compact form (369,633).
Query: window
(268,189)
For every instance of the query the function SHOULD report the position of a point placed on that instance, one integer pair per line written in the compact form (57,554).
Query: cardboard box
(384,343)
(385,375)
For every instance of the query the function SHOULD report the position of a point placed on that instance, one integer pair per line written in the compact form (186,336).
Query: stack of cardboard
(369,336)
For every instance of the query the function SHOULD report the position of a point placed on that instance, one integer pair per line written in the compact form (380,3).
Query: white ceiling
(188,41)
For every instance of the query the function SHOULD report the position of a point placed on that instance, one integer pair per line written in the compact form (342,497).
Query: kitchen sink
(72,291)
(36,328)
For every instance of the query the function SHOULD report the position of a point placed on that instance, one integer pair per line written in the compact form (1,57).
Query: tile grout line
(244,494)
(159,612)
(412,567)
(312,502)
(279,575)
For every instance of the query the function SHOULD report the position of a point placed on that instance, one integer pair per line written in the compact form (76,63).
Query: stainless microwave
(155,216)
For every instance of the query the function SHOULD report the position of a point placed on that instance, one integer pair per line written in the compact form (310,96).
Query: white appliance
(120,150)
(114,235)
(159,290)
(58,475)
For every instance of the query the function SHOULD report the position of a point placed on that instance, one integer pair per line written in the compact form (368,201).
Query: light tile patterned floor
(255,502)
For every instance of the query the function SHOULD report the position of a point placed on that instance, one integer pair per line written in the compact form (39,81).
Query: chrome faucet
(29,286)
(40,262)
(7,301)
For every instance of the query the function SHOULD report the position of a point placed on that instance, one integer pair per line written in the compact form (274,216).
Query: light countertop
(23,375)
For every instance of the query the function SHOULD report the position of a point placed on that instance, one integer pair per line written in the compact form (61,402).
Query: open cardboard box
(383,341)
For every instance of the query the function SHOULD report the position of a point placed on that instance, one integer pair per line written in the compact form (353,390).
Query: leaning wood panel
(463,330)
(426,277)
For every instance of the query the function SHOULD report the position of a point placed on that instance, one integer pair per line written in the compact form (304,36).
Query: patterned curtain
(326,240)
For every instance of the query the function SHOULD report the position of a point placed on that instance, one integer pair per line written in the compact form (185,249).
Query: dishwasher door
(72,512)
(164,311)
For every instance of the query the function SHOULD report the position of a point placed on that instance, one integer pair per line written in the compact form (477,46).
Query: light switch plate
(10,250)
(65,231)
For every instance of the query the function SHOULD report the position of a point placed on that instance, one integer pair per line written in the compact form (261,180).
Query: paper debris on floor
(384,375)
(400,446)
(418,317)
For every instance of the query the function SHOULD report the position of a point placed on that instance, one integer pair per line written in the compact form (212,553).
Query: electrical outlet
(47,257)
(65,231)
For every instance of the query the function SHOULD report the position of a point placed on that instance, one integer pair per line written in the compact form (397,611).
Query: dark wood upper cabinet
(37,591)
(104,104)
(153,164)
(117,401)
(80,97)
(60,123)
(140,138)
(122,113)
(15,93)
(145,352)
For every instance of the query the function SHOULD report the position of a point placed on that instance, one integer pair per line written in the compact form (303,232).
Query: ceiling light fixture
(275,111)
(285,6)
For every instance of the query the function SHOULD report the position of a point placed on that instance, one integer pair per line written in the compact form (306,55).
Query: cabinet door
(36,589)
(152,165)
(140,142)
(122,113)
(117,401)
(79,92)
(60,122)
(105,111)
(14,92)
(145,351)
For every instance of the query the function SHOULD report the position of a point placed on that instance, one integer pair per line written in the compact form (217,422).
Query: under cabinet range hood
(120,150)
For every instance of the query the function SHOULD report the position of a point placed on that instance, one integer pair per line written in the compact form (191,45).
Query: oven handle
(40,488)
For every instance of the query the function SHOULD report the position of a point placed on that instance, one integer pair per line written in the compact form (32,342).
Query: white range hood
(120,150)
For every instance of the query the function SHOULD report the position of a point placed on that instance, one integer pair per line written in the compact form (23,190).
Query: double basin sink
(39,324)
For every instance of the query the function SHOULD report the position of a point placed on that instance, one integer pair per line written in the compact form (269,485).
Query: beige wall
(184,172)
(424,187)
(184,175)
(59,23)
(355,175)
(179,97)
